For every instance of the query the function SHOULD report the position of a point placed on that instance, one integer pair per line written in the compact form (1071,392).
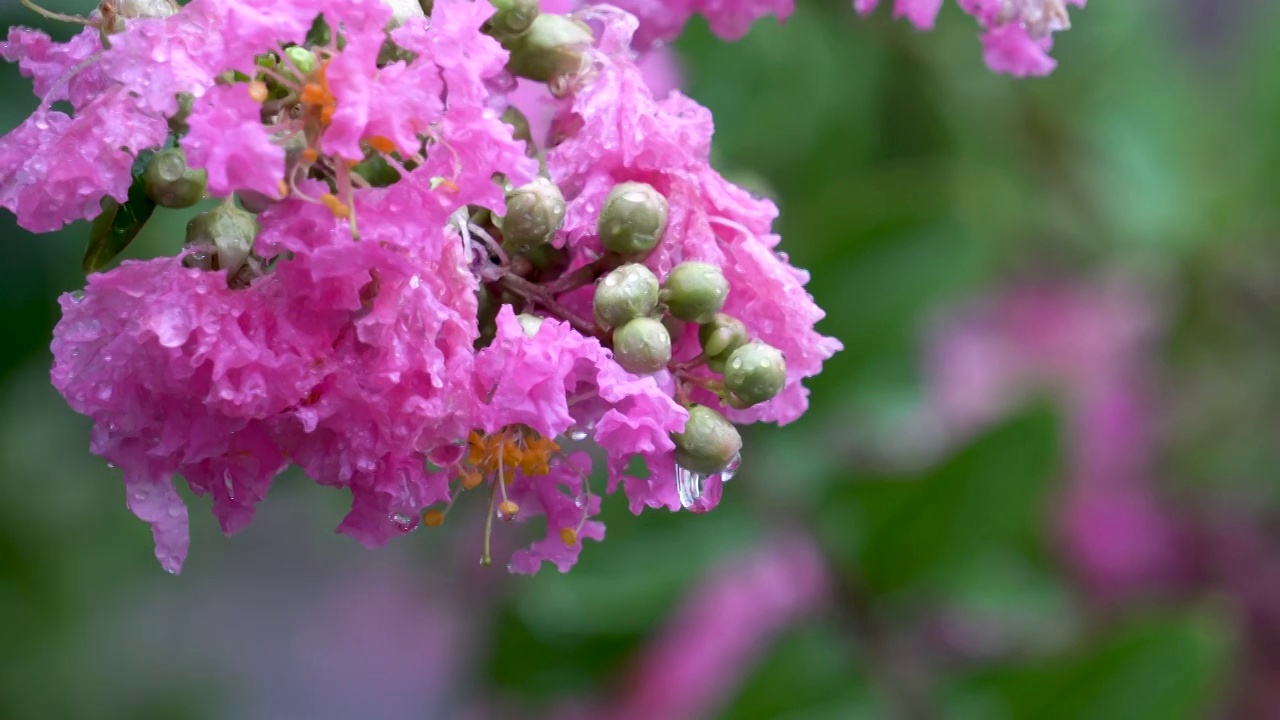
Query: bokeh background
(1039,482)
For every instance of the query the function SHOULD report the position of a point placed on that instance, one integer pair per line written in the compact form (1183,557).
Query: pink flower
(1017,34)
(663,20)
(621,133)
(720,631)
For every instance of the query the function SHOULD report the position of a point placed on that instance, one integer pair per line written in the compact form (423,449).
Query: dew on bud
(170,182)
(708,443)
(642,346)
(755,372)
(633,218)
(688,486)
(534,213)
(627,292)
(226,233)
(695,291)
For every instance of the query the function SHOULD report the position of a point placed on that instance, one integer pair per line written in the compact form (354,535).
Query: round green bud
(529,323)
(512,18)
(534,213)
(755,373)
(709,441)
(642,346)
(228,232)
(722,335)
(628,292)
(633,218)
(695,291)
(553,46)
(169,181)
(302,58)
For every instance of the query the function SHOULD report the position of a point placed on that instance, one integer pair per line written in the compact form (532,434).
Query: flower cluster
(399,289)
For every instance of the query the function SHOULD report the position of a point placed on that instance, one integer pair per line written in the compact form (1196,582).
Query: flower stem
(538,295)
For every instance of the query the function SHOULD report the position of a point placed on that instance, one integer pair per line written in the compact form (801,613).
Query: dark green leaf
(117,226)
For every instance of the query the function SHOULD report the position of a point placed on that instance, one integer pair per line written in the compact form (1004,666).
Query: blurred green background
(915,185)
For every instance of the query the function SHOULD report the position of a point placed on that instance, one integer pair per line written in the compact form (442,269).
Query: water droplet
(231,487)
(403,522)
(77,296)
(577,433)
(737,363)
(415,282)
(688,486)
(580,502)
(731,469)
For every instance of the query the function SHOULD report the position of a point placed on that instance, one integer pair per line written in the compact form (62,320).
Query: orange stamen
(569,537)
(310,154)
(382,144)
(258,91)
(336,206)
(283,187)
(433,518)
(508,509)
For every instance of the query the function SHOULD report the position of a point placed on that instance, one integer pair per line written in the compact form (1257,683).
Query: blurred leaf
(898,531)
(1162,669)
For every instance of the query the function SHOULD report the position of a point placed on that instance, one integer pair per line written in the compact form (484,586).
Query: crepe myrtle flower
(395,289)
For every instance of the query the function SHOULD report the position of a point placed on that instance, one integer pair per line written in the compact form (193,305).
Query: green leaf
(1163,669)
(900,531)
(118,225)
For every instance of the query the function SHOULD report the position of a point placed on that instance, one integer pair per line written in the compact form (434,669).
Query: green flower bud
(512,18)
(633,218)
(534,213)
(226,231)
(302,58)
(549,261)
(552,47)
(722,335)
(169,181)
(529,323)
(695,291)
(628,292)
(642,346)
(709,441)
(755,373)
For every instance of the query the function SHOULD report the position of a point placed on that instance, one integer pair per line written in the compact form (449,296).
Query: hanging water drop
(731,469)
(404,522)
(688,486)
(577,433)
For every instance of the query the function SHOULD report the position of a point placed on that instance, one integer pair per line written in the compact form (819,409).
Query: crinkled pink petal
(1009,49)
(50,65)
(922,13)
(560,497)
(55,169)
(228,140)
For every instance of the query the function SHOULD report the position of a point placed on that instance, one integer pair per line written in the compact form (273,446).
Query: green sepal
(118,225)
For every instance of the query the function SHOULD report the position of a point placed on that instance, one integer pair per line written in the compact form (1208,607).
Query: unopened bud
(709,441)
(512,18)
(754,373)
(226,230)
(642,346)
(695,291)
(169,181)
(303,59)
(529,324)
(722,335)
(553,46)
(628,292)
(534,213)
(633,218)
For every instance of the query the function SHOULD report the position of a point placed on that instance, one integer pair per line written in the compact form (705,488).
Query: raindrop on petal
(688,486)
(731,469)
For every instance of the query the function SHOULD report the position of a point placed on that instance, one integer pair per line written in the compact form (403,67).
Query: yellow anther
(433,518)
(569,537)
(382,144)
(336,206)
(258,91)
(508,509)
